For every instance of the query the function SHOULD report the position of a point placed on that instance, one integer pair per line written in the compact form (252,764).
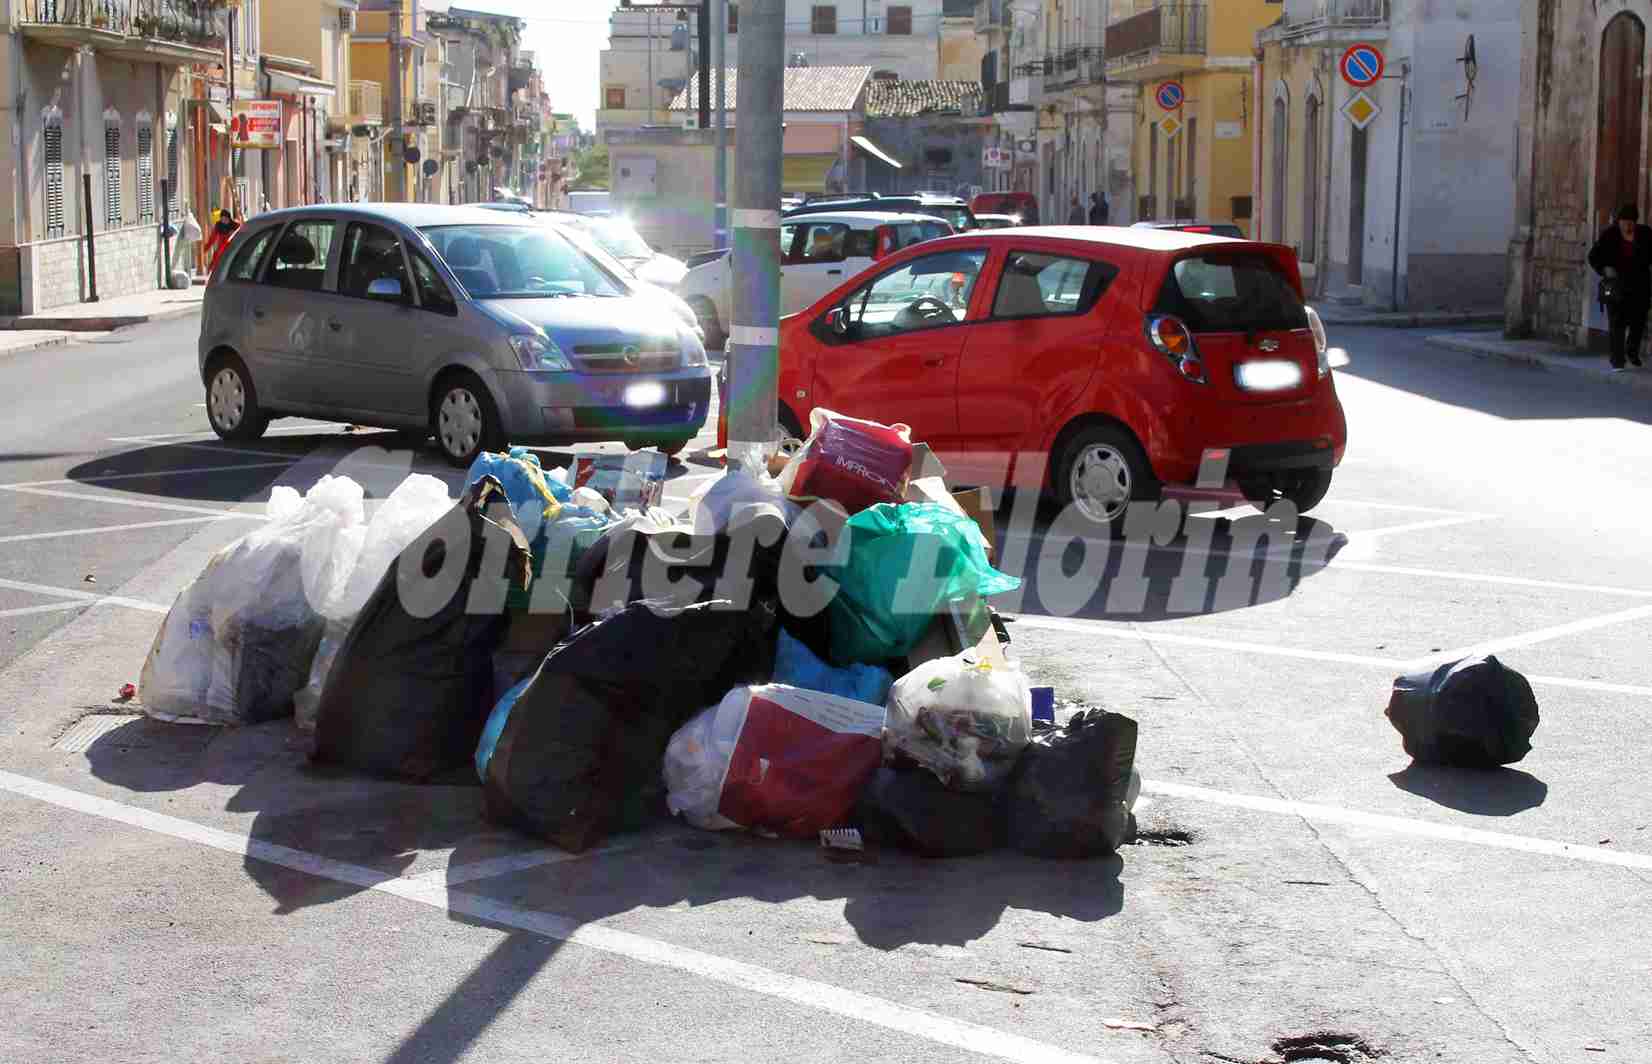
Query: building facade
(935,130)
(1415,214)
(1582,113)
(117,99)
(1012,89)
(306,66)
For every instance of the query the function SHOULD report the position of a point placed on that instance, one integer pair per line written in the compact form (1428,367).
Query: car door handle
(258,313)
(335,325)
(834,273)
(933,361)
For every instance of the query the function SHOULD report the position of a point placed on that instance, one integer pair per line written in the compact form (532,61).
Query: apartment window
(172,163)
(112,217)
(614,98)
(52,134)
(1310,182)
(734,18)
(823,18)
(146,169)
(1192,135)
(900,22)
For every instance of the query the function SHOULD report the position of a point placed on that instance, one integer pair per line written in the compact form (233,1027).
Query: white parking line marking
(190,471)
(1487,578)
(1417,526)
(1401,507)
(1541,635)
(809,993)
(50,607)
(1401,826)
(161,437)
(142,504)
(29,537)
(453,875)
(84,597)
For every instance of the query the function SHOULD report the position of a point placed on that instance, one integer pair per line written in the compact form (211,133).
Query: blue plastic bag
(796,666)
(905,563)
(535,498)
(497,720)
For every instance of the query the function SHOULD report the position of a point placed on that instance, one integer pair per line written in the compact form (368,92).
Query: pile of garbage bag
(809,648)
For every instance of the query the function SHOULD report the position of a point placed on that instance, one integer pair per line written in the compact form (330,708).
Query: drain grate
(89,730)
(1325,1046)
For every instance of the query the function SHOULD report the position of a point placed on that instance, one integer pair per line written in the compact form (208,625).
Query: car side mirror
(384,288)
(837,320)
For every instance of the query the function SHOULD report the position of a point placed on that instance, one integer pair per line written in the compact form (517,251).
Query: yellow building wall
(961,51)
(1298,69)
(293,29)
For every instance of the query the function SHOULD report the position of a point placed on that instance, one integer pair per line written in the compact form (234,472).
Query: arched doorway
(1310,181)
(1618,136)
(1276,203)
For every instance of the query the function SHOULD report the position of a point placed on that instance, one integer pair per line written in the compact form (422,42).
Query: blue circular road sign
(1362,65)
(1170,95)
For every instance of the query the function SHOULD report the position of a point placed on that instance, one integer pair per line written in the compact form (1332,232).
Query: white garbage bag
(239,641)
(417,503)
(964,719)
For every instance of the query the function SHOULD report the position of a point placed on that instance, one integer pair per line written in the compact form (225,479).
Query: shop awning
(873,150)
(806,173)
(300,85)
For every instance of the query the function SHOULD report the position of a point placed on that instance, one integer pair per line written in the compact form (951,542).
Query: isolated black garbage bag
(915,809)
(580,755)
(1473,713)
(1067,795)
(413,682)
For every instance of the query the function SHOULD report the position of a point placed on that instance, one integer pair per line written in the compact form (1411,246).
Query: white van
(593,202)
(818,253)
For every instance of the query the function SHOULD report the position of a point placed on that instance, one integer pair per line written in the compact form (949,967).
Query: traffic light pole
(754,335)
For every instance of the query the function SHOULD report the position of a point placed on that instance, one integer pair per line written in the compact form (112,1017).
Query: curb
(1421,320)
(50,341)
(108,323)
(1635,381)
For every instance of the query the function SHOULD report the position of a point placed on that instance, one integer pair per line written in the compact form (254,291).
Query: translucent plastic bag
(417,503)
(852,462)
(735,498)
(905,563)
(964,719)
(239,641)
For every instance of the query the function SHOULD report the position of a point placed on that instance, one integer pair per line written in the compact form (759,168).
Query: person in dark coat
(1075,213)
(1098,209)
(1624,252)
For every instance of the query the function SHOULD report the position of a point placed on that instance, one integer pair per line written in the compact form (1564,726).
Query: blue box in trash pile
(627,481)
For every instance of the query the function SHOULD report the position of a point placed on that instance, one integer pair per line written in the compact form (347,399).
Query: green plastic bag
(905,563)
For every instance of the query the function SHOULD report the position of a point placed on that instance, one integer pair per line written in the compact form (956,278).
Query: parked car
(1023,205)
(576,229)
(817,252)
(997,221)
(1227,229)
(950,209)
(621,240)
(1125,356)
(475,326)
(589,201)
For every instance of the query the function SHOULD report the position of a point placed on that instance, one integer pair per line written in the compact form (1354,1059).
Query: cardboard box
(633,481)
(965,625)
(925,464)
(975,504)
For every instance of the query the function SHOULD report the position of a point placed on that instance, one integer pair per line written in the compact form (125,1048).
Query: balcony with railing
(1316,22)
(183,31)
(1074,67)
(1160,42)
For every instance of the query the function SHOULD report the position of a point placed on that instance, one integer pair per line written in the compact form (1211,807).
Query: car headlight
(1321,347)
(694,350)
(539,353)
(1270,375)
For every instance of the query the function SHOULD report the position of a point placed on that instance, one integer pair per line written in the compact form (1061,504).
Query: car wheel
(464,420)
(232,401)
(706,312)
(1100,472)
(1302,488)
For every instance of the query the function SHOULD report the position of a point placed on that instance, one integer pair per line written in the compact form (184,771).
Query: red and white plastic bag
(776,759)
(852,462)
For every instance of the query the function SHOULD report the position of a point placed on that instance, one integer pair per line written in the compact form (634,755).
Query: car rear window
(1232,292)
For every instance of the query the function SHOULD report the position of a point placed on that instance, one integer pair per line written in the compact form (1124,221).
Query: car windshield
(619,239)
(578,233)
(520,262)
(1232,292)
(957,217)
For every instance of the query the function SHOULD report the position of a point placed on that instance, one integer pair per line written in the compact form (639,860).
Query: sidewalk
(1544,354)
(111,313)
(1332,313)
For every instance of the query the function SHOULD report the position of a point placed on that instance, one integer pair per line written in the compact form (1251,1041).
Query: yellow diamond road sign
(1361,110)
(1170,125)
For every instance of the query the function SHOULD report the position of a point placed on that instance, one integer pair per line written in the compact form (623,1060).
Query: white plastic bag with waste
(239,641)
(417,503)
(738,496)
(964,719)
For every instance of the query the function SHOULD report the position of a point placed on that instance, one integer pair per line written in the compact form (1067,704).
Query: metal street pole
(719,61)
(397,190)
(755,334)
(704,91)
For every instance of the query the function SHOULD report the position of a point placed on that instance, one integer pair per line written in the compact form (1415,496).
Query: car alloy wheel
(459,422)
(227,399)
(1101,483)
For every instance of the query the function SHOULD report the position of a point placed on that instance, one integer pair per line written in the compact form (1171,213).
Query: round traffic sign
(1362,65)
(1170,95)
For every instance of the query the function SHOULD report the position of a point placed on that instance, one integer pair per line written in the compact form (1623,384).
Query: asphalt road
(177,893)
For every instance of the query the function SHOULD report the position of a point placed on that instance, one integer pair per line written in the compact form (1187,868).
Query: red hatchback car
(1125,357)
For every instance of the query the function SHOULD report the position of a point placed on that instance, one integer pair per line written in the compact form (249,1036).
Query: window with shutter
(172,163)
(53,136)
(146,169)
(112,218)
(823,18)
(900,21)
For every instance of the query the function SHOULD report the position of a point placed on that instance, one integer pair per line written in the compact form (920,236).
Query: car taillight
(883,241)
(1174,340)
(1322,350)
(1195,228)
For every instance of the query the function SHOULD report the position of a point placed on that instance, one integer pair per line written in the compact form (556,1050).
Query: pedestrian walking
(1098,209)
(1075,213)
(1622,255)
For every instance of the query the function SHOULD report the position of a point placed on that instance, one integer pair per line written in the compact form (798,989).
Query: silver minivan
(473,326)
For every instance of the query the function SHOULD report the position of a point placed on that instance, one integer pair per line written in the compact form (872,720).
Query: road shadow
(1483,792)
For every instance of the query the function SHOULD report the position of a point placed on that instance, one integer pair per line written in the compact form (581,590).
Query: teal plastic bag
(905,563)
(497,720)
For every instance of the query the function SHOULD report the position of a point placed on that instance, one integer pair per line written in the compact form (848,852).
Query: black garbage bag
(580,754)
(1473,713)
(636,561)
(413,682)
(914,809)
(1068,794)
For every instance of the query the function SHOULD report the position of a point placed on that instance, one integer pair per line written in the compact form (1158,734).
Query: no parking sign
(1362,65)
(1170,95)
